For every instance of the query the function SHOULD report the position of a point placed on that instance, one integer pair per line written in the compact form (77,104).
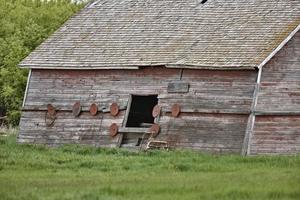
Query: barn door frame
(127,112)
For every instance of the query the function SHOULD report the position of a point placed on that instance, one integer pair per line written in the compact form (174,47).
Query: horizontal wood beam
(84,109)
(279,113)
(209,111)
(133,130)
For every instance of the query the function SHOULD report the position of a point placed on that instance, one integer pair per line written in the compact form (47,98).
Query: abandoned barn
(218,75)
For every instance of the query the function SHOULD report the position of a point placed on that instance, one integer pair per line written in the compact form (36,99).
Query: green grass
(77,172)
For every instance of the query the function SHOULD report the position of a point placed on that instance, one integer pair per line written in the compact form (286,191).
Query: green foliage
(83,172)
(24,24)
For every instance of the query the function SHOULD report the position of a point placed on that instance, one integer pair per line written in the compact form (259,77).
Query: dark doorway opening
(140,112)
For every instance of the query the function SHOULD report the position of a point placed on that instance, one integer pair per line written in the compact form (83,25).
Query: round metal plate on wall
(175,110)
(114,109)
(76,108)
(93,109)
(154,129)
(113,130)
(156,111)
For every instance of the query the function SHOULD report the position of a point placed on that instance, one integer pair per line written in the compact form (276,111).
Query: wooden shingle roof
(219,34)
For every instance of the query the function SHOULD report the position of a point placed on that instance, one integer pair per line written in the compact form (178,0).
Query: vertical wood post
(26,90)
(251,120)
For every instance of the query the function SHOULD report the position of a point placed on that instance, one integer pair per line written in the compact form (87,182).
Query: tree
(24,24)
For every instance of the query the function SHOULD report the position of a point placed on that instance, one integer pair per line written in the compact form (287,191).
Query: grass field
(73,172)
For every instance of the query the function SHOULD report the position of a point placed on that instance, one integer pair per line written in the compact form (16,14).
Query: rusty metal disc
(51,109)
(114,109)
(49,119)
(175,110)
(156,111)
(154,129)
(76,108)
(93,109)
(113,129)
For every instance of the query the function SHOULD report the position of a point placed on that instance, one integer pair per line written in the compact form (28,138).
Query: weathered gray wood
(278,113)
(280,86)
(277,123)
(127,111)
(276,135)
(198,109)
(248,134)
(216,132)
(133,130)
(178,87)
(62,88)
(226,92)
(251,120)
(214,111)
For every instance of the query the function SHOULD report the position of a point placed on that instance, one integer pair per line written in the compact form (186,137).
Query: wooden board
(178,87)
(280,82)
(62,88)
(276,135)
(222,133)
(211,92)
(277,121)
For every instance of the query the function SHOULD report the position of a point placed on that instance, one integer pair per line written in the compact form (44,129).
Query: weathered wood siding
(222,133)
(276,135)
(215,111)
(276,128)
(62,88)
(214,92)
(213,118)
(280,82)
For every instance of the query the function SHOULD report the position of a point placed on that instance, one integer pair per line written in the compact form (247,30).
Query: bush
(24,24)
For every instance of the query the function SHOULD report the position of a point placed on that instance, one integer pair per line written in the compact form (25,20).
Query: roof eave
(174,66)
(76,67)
(211,67)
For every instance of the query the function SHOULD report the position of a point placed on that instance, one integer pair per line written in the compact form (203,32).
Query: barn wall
(219,133)
(214,111)
(62,88)
(276,135)
(276,128)
(214,92)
